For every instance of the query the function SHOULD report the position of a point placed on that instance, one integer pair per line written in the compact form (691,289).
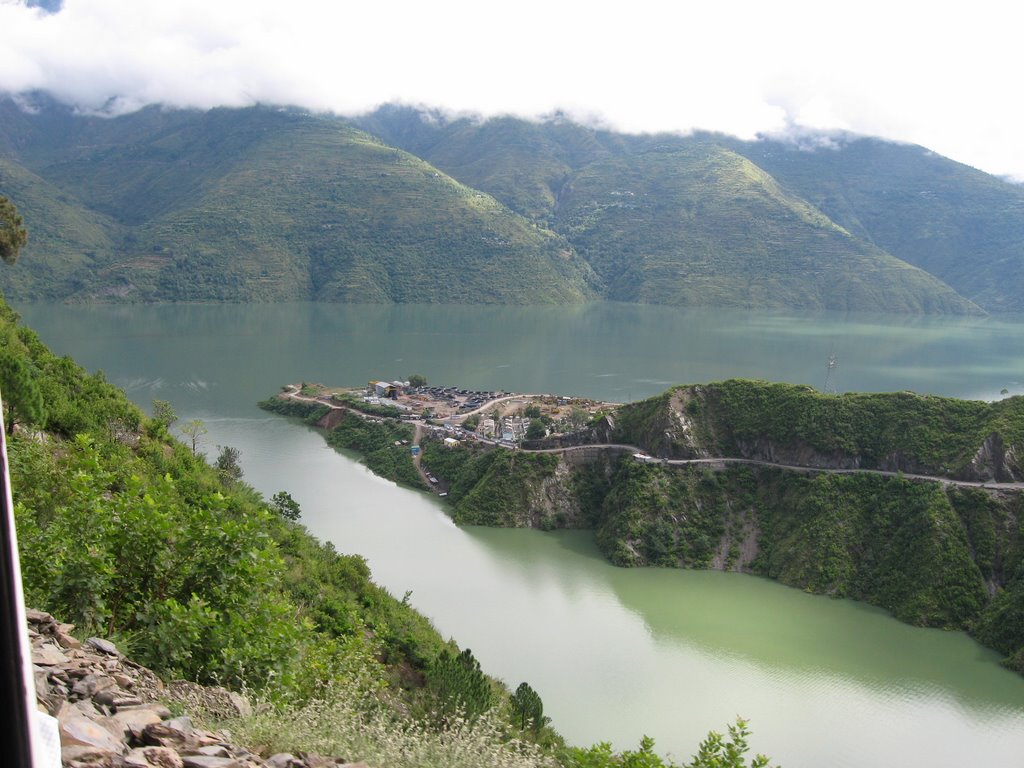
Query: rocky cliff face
(995,460)
(797,454)
(552,502)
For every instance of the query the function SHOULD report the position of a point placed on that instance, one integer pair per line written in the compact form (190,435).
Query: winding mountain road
(804,468)
(294,392)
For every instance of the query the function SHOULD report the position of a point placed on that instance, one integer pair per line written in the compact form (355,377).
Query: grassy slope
(444,241)
(525,165)
(271,205)
(961,225)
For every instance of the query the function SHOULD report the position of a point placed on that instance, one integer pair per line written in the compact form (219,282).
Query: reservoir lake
(615,653)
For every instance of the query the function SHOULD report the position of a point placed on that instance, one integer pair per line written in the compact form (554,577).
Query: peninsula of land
(906,501)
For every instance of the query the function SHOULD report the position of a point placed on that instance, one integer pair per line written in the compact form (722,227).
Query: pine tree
(19,388)
(460,685)
(528,708)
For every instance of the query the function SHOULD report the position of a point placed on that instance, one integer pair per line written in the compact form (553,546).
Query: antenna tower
(830,378)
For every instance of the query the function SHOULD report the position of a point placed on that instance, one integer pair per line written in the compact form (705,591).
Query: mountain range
(407,205)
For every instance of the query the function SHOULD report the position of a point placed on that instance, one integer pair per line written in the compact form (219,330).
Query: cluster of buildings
(510,429)
(438,402)
(389,390)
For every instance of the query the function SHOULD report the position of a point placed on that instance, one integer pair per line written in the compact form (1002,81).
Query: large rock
(38,618)
(205,761)
(49,656)
(78,756)
(92,684)
(78,730)
(130,723)
(153,757)
(103,646)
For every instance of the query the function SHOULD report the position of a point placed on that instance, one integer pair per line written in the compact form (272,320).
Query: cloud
(945,80)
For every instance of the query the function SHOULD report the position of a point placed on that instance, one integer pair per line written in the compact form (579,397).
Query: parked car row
(471,399)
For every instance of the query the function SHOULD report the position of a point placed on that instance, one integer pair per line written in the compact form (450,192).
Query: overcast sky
(949,79)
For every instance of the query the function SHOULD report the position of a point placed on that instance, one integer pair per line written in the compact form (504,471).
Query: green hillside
(961,225)
(670,219)
(264,204)
(791,424)
(526,165)
(67,238)
(695,224)
(275,204)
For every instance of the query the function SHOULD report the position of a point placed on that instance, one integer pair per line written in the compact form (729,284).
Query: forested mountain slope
(682,219)
(272,204)
(264,204)
(957,223)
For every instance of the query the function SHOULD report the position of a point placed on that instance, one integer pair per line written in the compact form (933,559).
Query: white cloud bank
(946,78)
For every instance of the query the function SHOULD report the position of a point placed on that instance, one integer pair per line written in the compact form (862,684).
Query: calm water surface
(615,653)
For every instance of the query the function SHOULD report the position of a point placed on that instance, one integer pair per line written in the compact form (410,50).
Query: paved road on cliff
(807,469)
(719,460)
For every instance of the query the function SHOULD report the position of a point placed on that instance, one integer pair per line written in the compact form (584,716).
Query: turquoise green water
(615,653)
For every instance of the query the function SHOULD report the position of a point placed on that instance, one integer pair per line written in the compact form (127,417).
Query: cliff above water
(788,483)
(935,552)
(790,424)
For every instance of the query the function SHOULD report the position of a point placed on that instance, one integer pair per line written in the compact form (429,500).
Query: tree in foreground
(460,686)
(12,231)
(194,429)
(22,398)
(287,507)
(227,464)
(528,708)
(163,412)
(716,751)
(417,380)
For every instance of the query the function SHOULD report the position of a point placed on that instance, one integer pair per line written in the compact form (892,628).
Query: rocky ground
(114,713)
